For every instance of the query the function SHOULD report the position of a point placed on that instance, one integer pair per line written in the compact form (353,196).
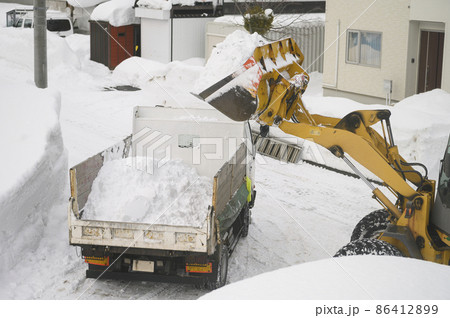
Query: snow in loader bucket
(236,95)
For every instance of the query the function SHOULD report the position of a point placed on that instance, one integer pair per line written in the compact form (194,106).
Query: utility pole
(40,44)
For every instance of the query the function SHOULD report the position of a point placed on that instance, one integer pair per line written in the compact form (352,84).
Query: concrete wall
(391,18)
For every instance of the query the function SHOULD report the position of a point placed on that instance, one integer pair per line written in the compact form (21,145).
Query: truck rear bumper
(150,277)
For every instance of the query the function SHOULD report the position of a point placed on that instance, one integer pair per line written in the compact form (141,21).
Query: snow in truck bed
(173,194)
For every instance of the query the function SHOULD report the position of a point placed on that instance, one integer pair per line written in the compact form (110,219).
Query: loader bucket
(238,95)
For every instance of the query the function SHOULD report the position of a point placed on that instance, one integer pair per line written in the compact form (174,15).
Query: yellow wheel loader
(268,89)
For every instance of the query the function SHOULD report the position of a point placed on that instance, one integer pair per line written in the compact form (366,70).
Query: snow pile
(228,56)
(116,12)
(33,167)
(352,277)
(173,194)
(85,3)
(421,127)
(16,53)
(138,71)
(155,4)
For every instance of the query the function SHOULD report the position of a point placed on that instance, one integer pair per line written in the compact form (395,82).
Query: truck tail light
(102,261)
(199,268)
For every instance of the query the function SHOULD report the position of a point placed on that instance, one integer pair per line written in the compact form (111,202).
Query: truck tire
(245,220)
(371,226)
(222,269)
(368,246)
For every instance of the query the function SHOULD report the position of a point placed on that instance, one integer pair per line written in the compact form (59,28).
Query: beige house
(375,50)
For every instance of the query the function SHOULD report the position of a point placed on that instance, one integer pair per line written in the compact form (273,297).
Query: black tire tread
(368,247)
(370,224)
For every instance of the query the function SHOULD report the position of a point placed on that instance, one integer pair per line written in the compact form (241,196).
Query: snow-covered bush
(256,19)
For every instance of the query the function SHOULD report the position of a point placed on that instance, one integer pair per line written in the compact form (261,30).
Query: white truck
(219,149)
(57,22)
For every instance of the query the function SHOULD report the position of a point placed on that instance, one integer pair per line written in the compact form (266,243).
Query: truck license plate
(143,266)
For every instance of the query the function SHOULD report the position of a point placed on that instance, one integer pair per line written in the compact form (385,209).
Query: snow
(116,12)
(139,72)
(302,213)
(228,56)
(85,3)
(280,20)
(27,119)
(17,48)
(167,4)
(155,4)
(352,277)
(33,168)
(173,194)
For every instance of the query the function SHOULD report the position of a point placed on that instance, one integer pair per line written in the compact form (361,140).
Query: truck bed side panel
(230,187)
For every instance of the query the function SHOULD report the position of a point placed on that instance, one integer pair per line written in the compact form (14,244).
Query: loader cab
(440,216)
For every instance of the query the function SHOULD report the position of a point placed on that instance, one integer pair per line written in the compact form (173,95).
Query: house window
(364,48)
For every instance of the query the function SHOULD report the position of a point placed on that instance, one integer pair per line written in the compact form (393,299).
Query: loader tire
(222,269)
(368,247)
(371,226)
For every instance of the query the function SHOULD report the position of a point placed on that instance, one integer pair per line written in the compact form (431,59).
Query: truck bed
(124,234)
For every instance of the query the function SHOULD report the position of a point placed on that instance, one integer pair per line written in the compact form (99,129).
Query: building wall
(433,15)
(381,16)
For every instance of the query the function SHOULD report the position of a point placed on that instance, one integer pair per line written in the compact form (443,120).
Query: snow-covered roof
(116,12)
(85,3)
(155,4)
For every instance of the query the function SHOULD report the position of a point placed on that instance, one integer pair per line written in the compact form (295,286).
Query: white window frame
(359,48)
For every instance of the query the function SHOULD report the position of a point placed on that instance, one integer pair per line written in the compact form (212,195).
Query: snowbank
(138,71)
(173,194)
(34,167)
(421,127)
(17,50)
(353,277)
(228,56)
(116,12)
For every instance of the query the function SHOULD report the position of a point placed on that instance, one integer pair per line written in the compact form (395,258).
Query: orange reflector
(199,268)
(102,261)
